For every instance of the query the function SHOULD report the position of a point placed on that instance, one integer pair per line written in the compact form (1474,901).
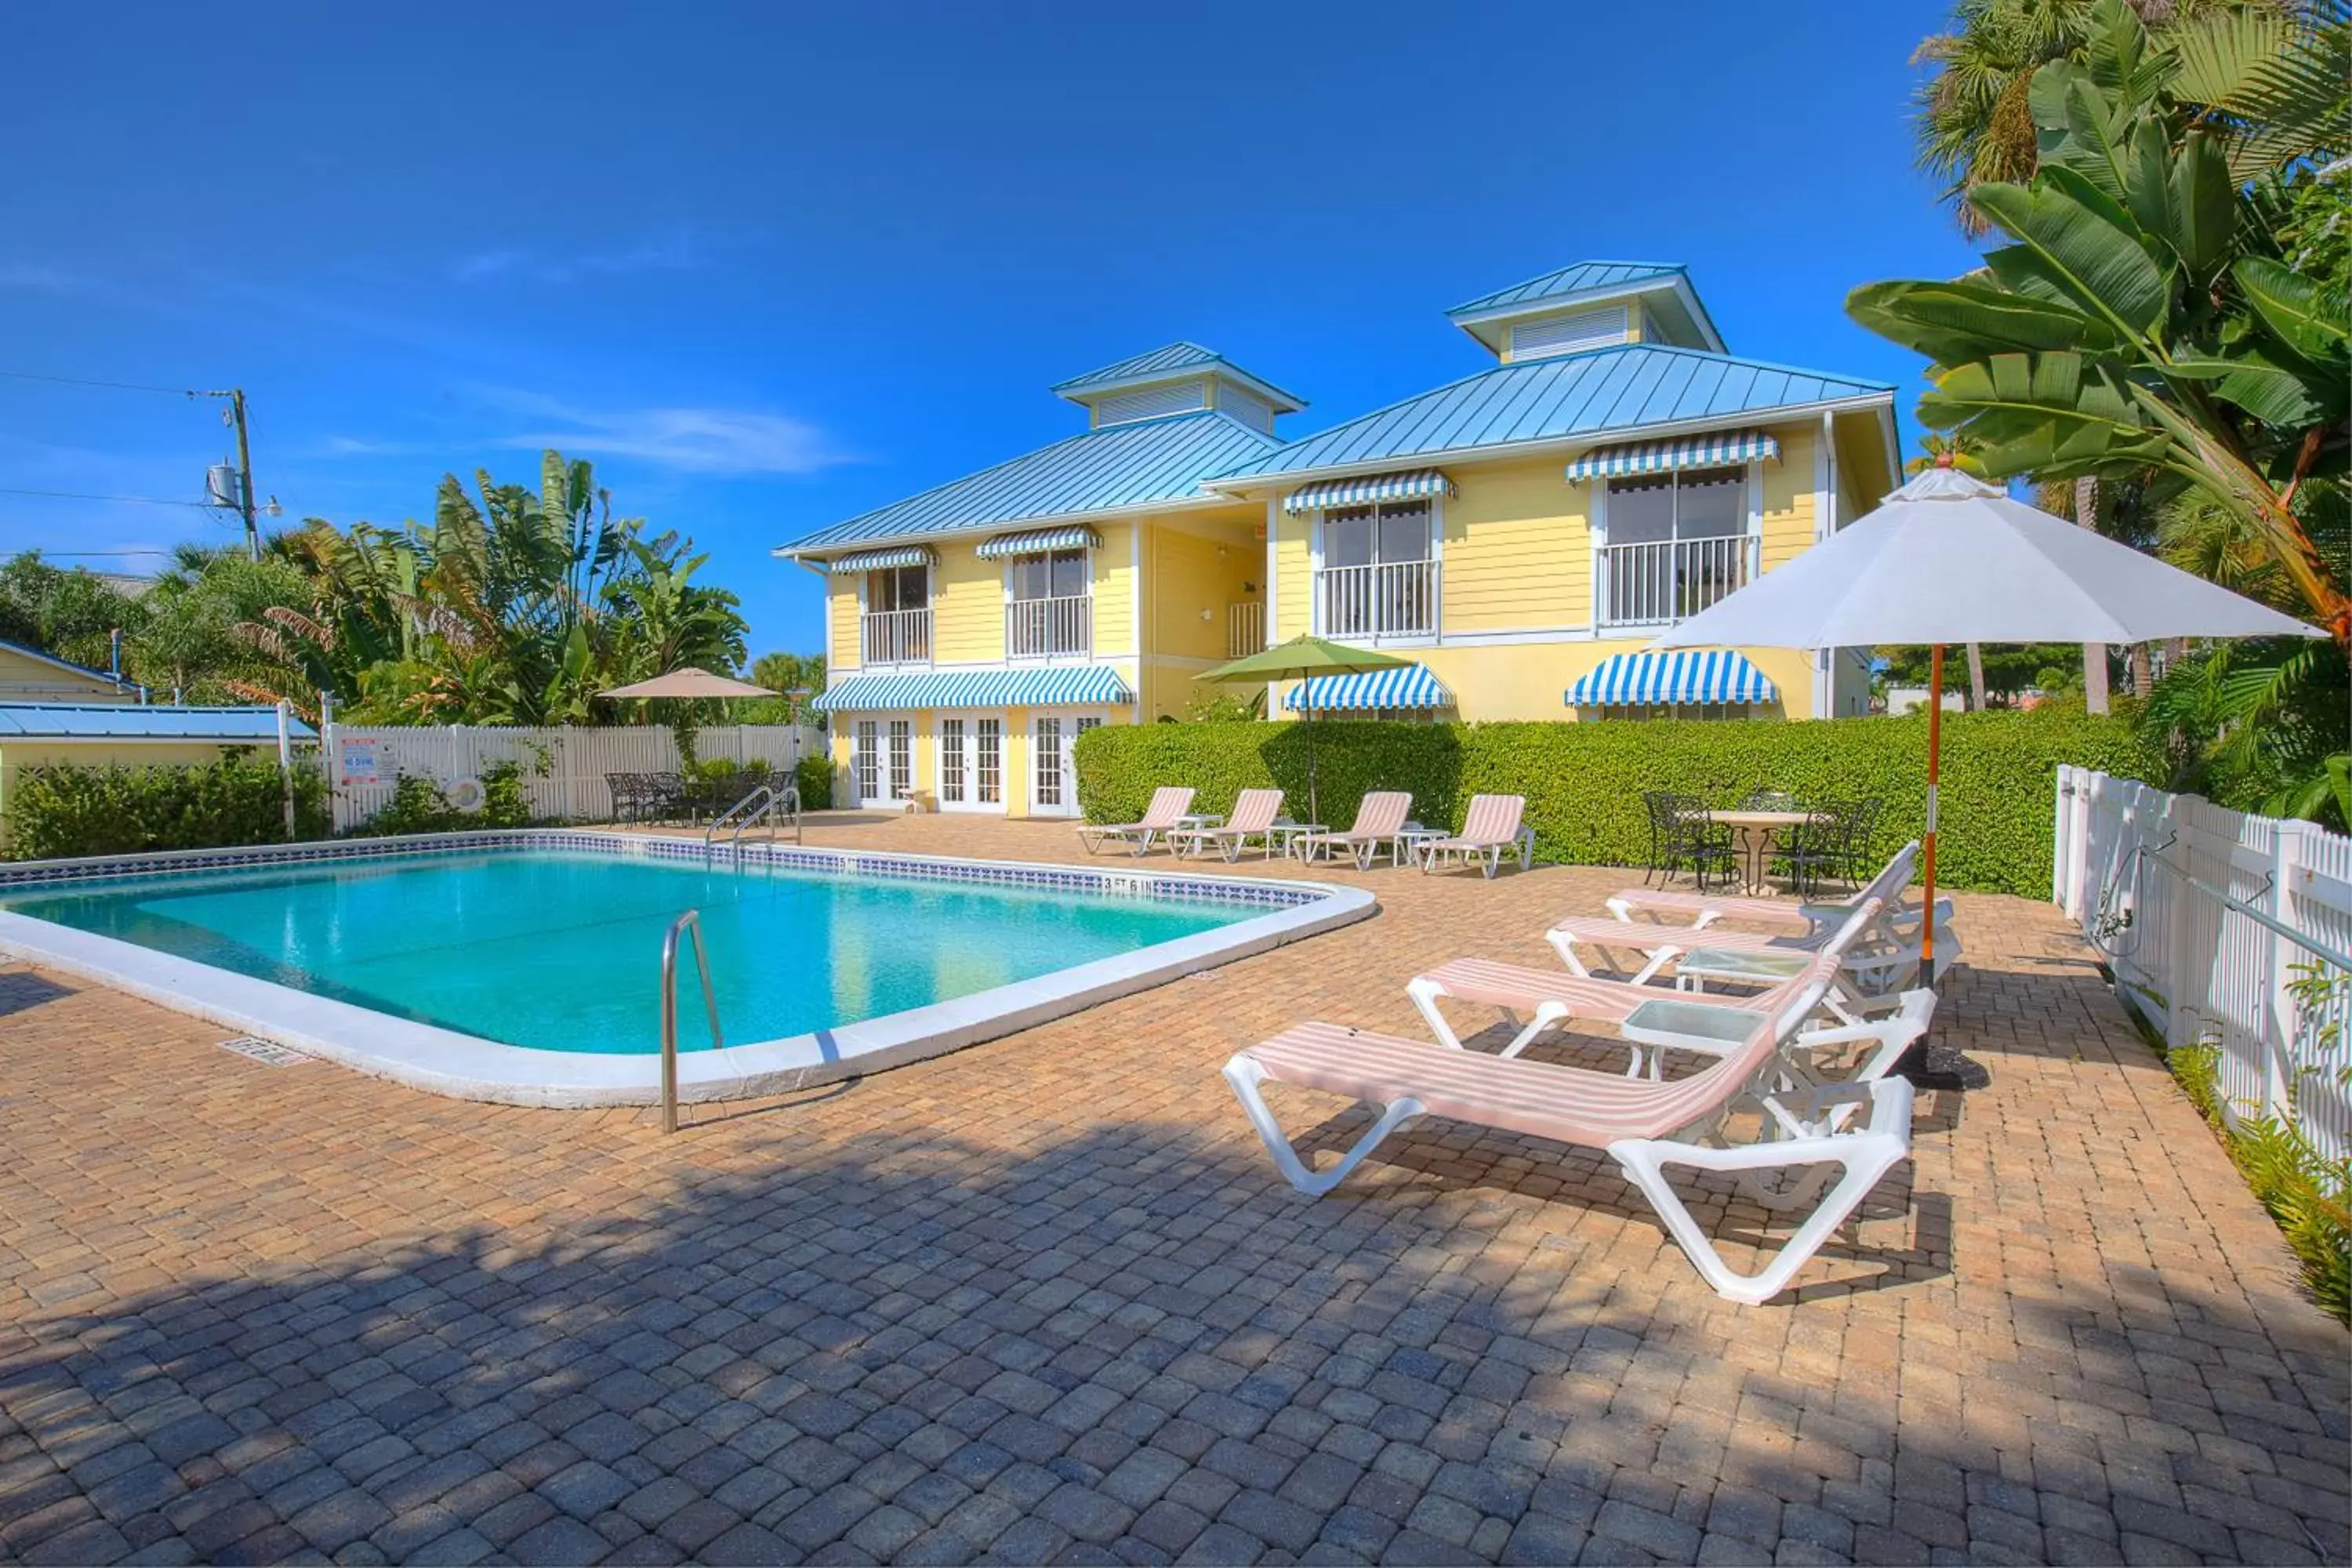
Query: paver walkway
(1046,1301)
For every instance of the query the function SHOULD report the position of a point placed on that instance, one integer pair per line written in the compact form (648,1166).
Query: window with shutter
(1151,403)
(1568,333)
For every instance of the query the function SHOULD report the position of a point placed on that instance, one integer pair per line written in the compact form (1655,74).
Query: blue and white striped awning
(1039,542)
(1709,450)
(1407,685)
(1370,487)
(1083,685)
(881,560)
(1689,675)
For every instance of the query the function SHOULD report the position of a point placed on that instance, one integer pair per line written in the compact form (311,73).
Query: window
(1567,334)
(1152,402)
(902,759)
(952,759)
(1672,710)
(1061,575)
(1378,575)
(898,588)
(1047,765)
(1376,535)
(989,733)
(1675,543)
(866,757)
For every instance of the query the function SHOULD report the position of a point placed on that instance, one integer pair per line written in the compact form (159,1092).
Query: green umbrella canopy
(1300,658)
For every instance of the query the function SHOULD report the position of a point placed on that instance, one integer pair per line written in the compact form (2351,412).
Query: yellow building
(28,674)
(1520,535)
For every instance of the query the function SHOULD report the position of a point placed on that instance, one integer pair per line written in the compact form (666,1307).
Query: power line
(139,501)
(112,385)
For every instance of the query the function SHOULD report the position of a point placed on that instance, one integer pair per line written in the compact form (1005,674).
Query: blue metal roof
(1603,391)
(1173,359)
(1095,471)
(138,721)
(1578,278)
(1159,362)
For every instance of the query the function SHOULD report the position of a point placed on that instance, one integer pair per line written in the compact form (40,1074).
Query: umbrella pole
(1934,771)
(1313,810)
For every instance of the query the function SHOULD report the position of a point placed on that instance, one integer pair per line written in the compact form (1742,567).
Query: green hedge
(55,809)
(1584,781)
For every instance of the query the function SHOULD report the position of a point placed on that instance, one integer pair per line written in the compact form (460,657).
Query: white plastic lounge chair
(1549,996)
(1876,964)
(1812,1135)
(1169,803)
(1253,817)
(1490,830)
(1379,819)
(1695,911)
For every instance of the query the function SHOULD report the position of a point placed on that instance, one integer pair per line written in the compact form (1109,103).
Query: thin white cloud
(673,253)
(699,440)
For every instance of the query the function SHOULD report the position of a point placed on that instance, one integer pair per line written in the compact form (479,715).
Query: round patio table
(1756,830)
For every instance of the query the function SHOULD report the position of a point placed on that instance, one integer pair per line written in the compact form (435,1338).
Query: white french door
(1053,769)
(865,761)
(971,762)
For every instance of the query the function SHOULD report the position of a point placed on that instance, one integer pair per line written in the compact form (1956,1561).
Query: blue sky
(771,266)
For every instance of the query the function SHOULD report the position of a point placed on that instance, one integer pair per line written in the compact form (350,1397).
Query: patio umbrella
(689,684)
(1303,659)
(1950,559)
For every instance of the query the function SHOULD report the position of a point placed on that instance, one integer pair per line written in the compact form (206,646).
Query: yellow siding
(1788,496)
(1293,576)
(1517,550)
(24,679)
(1114,590)
(840,622)
(967,605)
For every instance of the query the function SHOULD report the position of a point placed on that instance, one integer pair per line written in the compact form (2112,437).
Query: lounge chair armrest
(1889,1100)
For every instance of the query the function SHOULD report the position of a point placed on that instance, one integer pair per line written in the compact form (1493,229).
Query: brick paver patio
(1046,1301)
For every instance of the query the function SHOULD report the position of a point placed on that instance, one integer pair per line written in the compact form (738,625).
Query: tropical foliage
(512,606)
(2159,318)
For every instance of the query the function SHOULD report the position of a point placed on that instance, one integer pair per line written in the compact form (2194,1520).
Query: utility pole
(244,472)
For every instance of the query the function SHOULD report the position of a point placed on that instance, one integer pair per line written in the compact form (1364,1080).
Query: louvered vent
(1246,407)
(1151,402)
(1568,333)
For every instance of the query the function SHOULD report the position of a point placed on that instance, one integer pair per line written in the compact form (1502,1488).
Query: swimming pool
(525,966)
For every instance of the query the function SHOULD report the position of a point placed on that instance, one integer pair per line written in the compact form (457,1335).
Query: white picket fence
(2209,918)
(563,769)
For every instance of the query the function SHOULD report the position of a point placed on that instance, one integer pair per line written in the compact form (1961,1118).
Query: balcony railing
(1050,629)
(1389,599)
(1669,580)
(896,636)
(1244,627)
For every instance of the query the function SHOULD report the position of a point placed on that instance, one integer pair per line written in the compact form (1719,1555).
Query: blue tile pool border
(446,1061)
(851,863)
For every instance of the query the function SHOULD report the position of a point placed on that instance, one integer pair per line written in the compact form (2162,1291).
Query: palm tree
(1973,117)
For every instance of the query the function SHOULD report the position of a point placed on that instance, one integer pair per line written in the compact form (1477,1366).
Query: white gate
(562,769)
(2222,926)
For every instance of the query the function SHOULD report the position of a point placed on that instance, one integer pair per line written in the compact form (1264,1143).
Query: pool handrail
(764,803)
(689,922)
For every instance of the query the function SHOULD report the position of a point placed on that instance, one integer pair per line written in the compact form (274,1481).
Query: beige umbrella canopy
(689,684)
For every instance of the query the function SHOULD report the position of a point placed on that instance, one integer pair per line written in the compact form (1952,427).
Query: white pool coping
(467,1066)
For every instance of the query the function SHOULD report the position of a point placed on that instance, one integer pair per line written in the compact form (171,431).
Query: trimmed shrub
(814,774)
(1584,781)
(56,809)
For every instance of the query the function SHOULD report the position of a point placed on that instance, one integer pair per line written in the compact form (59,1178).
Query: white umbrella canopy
(689,684)
(1951,559)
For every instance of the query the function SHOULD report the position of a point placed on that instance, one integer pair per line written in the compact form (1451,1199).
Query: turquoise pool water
(561,950)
